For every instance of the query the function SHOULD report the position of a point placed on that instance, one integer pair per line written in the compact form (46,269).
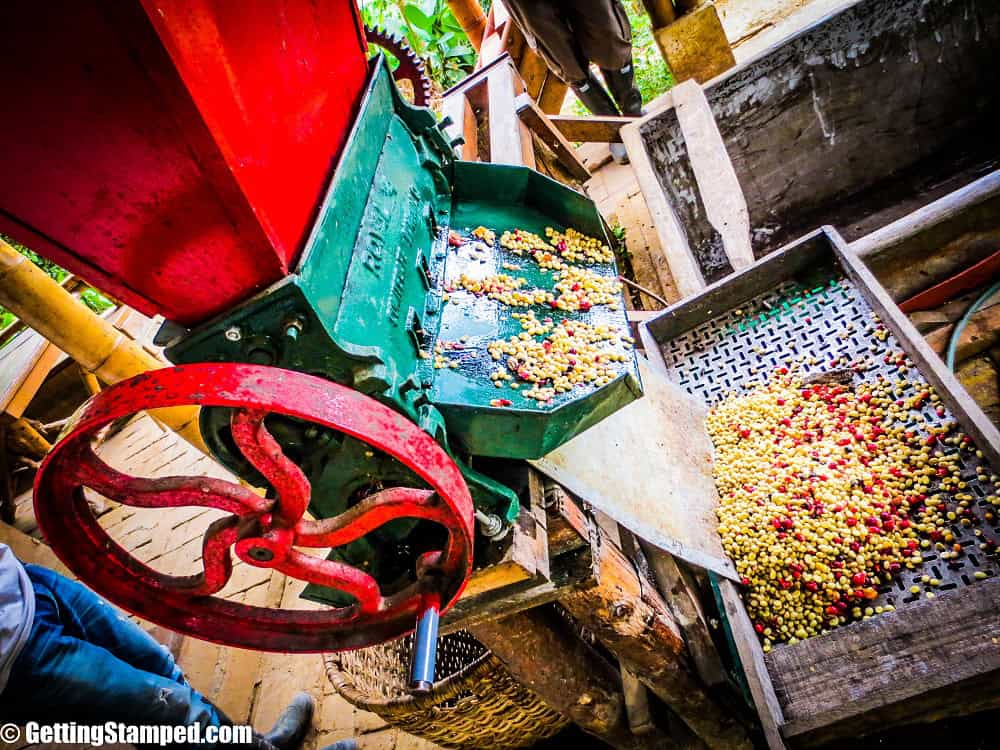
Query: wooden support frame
(532,571)
(576,680)
(847,164)
(487,99)
(532,116)
(590,129)
(631,620)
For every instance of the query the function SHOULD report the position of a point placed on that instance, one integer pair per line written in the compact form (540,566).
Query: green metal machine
(373,300)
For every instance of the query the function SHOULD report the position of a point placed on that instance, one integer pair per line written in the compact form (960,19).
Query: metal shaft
(34,297)
(425,647)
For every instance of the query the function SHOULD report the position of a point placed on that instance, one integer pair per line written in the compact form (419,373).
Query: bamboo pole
(22,436)
(99,348)
(470,16)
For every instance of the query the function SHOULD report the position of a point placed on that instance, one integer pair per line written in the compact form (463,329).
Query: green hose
(964,321)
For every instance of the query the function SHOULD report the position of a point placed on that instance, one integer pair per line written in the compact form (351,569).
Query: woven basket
(475,702)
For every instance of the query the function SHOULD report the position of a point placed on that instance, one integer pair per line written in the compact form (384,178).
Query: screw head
(233,333)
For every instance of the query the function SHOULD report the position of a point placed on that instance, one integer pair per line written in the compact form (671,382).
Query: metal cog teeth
(411,67)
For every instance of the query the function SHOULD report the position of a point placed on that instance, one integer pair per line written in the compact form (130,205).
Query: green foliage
(432,32)
(651,74)
(95,300)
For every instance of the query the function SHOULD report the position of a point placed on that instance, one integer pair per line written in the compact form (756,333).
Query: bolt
(233,333)
(491,526)
(261,554)
(293,327)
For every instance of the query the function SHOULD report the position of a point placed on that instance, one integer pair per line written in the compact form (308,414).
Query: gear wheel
(410,68)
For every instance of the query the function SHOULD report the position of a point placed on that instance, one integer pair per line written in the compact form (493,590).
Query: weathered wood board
(889,660)
(649,466)
(854,121)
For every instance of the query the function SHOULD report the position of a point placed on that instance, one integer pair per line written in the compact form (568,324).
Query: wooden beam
(681,594)
(23,439)
(519,562)
(695,45)
(640,718)
(568,525)
(720,189)
(590,129)
(527,575)
(673,236)
(510,139)
(846,678)
(90,381)
(629,617)
(754,669)
(660,12)
(533,70)
(553,94)
(470,16)
(539,124)
(544,655)
(50,357)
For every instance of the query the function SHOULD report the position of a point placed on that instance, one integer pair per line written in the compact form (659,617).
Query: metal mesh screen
(832,326)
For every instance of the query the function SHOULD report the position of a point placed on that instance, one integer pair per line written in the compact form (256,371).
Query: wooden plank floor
(247,685)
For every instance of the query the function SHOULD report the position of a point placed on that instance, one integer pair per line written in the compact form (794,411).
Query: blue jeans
(86,662)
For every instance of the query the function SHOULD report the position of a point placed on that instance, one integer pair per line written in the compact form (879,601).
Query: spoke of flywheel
(371,513)
(260,448)
(164,492)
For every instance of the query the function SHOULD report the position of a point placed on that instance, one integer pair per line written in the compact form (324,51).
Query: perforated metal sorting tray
(816,300)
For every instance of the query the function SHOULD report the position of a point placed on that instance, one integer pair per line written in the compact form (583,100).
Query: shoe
(291,727)
(350,744)
(621,83)
(618,153)
(595,97)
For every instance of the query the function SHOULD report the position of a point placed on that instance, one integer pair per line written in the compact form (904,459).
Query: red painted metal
(262,532)
(982,272)
(174,152)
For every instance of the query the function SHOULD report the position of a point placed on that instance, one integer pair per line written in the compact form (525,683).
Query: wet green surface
(501,199)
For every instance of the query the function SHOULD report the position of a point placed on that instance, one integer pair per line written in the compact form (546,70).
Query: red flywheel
(260,531)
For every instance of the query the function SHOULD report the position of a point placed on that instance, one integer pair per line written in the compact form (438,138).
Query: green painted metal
(367,305)
(501,198)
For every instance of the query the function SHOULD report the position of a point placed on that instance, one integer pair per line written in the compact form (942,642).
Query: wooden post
(510,139)
(90,382)
(661,12)
(540,652)
(470,16)
(680,592)
(631,619)
(553,94)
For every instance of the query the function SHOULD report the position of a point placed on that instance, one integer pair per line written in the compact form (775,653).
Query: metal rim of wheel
(261,531)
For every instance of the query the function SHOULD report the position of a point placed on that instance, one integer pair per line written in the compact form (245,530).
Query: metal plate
(828,322)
